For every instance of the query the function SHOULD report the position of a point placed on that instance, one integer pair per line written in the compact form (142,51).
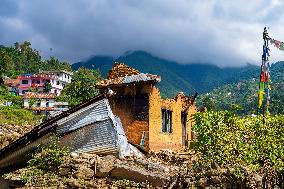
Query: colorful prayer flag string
(264,78)
(278,44)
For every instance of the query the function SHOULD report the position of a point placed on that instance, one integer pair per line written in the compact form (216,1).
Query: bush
(225,138)
(45,162)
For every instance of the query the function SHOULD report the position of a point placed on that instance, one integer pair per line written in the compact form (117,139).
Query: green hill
(244,92)
(189,78)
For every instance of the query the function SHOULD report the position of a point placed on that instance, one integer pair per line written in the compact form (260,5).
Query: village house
(149,121)
(129,110)
(43,102)
(56,79)
(39,101)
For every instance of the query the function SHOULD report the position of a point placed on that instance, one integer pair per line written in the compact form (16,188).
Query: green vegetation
(22,59)
(17,116)
(226,139)
(17,101)
(81,88)
(245,93)
(45,164)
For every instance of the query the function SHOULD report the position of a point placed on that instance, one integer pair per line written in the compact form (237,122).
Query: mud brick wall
(131,104)
(160,140)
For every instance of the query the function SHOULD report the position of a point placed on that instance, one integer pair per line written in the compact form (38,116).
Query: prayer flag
(260,98)
(281,46)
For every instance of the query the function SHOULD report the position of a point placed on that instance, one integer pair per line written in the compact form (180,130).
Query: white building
(62,76)
(43,102)
(39,101)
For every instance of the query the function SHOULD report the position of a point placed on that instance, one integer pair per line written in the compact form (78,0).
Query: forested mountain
(245,92)
(22,59)
(189,78)
(224,86)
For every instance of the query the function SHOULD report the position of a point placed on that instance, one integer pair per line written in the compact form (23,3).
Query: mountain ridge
(189,78)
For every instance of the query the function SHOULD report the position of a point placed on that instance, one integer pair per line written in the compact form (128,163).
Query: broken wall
(172,140)
(131,105)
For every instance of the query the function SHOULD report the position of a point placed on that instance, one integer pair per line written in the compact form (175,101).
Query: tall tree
(82,87)
(22,58)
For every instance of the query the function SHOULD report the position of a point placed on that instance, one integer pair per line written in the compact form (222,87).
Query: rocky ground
(10,132)
(93,171)
(164,169)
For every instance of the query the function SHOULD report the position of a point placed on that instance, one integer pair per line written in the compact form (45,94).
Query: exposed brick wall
(131,104)
(135,132)
(139,108)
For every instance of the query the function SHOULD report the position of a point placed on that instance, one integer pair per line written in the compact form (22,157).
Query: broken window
(166,121)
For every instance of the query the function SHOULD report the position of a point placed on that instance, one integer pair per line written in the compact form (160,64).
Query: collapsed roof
(121,74)
(88,127)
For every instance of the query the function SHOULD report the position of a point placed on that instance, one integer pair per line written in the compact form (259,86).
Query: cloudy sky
(225,33)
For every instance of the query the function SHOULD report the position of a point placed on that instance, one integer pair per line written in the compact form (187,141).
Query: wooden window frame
(167,121)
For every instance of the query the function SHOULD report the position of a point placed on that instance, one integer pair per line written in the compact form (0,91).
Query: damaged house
(148,120)
(128,110)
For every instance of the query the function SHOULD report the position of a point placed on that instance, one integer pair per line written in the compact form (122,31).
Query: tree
(208,102)
(47,87)
(22,58)
(82,87)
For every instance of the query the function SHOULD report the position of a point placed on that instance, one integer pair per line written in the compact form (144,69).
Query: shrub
(45,162)
(225,138)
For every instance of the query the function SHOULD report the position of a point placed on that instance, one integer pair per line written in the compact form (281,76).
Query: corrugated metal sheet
(91,128)
(12,156)
(135,78)
(99,137)
(93,113)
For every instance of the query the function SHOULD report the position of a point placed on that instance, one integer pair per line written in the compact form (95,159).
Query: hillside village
(40,90)
(141,94)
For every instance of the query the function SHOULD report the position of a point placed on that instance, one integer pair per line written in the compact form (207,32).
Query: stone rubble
(10,132)
(164,169)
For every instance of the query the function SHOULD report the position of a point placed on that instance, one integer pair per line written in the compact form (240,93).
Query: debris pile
(93,171)
(121,70)
(11,132)
(164,169)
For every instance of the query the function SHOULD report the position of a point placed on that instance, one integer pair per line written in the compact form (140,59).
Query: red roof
(12,82)
(41,108)
(37,76)
(29,95)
